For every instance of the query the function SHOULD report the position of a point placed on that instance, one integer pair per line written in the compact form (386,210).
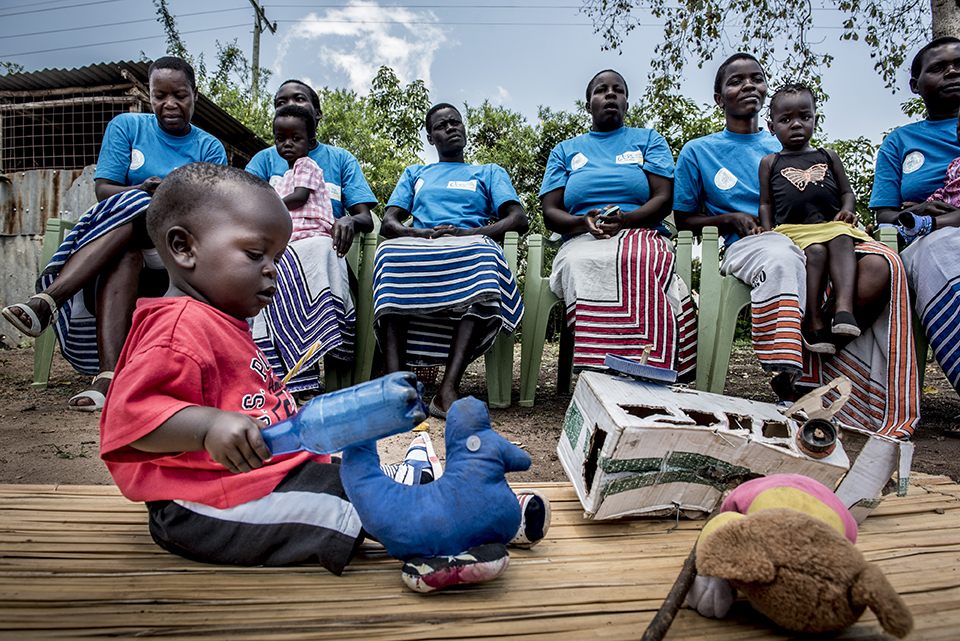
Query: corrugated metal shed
(207,115)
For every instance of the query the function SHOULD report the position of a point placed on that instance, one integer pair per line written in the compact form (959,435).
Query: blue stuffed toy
(454,529)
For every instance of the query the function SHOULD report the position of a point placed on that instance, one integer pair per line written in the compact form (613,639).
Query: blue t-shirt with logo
(720,173)
(603,168)
(341,172)
(912,162)
(452,193)
(135,148)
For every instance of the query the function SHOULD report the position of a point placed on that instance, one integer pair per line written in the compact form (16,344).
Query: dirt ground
(42,442)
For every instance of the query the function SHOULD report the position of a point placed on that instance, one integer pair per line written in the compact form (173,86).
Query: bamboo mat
(77,561)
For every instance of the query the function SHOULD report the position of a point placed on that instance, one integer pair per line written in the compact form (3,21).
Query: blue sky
(519,55)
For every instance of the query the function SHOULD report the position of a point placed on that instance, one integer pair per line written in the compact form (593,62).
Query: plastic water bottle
(330,422)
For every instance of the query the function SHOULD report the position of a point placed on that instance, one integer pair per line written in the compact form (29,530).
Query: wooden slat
(78,562)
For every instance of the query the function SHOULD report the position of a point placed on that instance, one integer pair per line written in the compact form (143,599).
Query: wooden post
(258,15)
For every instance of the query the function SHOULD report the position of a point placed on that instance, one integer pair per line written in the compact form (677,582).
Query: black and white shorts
(306,519)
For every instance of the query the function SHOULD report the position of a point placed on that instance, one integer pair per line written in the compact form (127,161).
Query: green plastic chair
(721,299)
(538,301)
(44,344)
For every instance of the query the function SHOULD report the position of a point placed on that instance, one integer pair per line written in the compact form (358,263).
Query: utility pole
(259,18)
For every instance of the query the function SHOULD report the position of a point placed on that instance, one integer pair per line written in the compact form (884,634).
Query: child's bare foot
(92,398)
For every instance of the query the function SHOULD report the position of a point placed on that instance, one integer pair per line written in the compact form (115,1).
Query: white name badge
(578,161)
(912,162)
(468,185)
(724,179)
(136,159)
(630,158)
(334,191)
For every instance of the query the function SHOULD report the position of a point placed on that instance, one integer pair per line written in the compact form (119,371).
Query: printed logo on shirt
(136,159)
(274,180)
(468,185)
(630,158)
(578,161)
(334,191)
(912,162)
(417,185)
(724,180)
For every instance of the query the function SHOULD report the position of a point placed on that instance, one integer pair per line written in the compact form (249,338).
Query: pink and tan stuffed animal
(787,542)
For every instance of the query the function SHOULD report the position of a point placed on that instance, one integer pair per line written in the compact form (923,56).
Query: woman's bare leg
(80,269)
(394,342)
(116,300)
(462,344)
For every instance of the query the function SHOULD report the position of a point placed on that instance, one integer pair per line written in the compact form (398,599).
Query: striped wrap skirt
(933,266)
(435,283)
(76,324)
(312,314)
(622,294)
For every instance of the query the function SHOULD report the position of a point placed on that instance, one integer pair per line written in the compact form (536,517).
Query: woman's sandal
(97,397)
(36,327)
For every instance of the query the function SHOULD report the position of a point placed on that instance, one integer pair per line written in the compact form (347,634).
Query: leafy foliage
(381,129)
(10,67)
(778,32)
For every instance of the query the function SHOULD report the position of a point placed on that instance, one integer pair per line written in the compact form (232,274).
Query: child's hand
(234,441)
(844,216)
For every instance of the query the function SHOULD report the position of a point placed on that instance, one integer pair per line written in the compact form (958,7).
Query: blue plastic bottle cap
(473,443)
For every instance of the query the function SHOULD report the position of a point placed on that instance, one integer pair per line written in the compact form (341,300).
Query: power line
(427,6)
(34,4)
(70,6)
(116,42)
(116,24)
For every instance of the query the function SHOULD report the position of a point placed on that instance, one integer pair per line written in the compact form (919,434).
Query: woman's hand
(342,234)
(449,230)
(844,216)
(150,184)
(592,220)
(743,224)
(611,221)
(928,208)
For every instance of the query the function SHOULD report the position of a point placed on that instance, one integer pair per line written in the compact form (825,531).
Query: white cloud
(360,38)
(501,96)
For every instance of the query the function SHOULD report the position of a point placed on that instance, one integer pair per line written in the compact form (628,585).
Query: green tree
(381,129)
(777,31)
(10,67)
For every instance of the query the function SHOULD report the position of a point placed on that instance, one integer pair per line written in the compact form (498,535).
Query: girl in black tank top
(805,194)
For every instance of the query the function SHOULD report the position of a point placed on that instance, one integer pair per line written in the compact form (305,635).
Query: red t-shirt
(180,353)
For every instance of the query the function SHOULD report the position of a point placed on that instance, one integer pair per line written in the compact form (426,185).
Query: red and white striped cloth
(621,295)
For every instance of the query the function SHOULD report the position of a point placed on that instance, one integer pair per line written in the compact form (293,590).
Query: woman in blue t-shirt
(911,165)
(90,286)
(442,288)
(313,316)
(608,191)
(718,185)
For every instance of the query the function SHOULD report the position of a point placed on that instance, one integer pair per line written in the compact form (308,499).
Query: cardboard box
(637,448)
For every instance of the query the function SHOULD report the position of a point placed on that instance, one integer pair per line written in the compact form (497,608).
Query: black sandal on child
(844,324)
(818,340)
